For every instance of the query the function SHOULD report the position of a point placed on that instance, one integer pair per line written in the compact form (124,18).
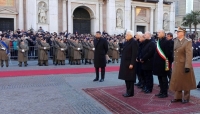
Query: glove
(187,70)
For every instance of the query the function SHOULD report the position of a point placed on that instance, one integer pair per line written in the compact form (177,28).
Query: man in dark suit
(171,45)
(146,58)
(161,66)
(127,70)
(101,49)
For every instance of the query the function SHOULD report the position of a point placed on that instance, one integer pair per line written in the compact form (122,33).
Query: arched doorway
(81,21)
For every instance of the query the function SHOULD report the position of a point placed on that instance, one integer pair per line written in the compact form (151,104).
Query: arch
(91,12)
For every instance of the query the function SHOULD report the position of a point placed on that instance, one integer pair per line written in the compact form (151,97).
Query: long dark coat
(101,49)
(159,63)
(147,54)
(129,55)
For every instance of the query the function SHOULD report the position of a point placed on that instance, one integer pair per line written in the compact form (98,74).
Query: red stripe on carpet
(53,71)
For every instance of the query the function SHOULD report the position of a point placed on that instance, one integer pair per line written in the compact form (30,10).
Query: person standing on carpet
(101,49)
(127,69)
(161,65)
(182,79)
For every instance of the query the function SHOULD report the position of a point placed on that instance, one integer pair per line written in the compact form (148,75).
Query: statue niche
(166,22)
(42,12)
(119,18)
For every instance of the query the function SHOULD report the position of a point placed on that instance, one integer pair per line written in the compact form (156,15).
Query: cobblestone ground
(56,94)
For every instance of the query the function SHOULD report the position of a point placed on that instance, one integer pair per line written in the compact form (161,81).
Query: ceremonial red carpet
(111,97)
(53,71)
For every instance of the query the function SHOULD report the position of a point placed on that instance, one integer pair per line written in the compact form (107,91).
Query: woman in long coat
(22,53)
(127,70)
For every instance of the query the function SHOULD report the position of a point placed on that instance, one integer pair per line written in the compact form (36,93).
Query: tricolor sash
(162,55)
(5,46)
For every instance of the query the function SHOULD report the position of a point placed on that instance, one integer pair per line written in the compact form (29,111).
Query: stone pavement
(57,94)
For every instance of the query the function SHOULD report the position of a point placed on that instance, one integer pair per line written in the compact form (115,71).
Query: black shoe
(148,91)
(141,86)
(144,89)
(6,65)
(109,61)
(159,94)
(101,80)
(20,65)
(198,86)
(95,80)
(163,96)
(185,101)
(176,100)
(127,95)
(137,84)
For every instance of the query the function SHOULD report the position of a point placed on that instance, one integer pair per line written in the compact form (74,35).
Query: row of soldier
(77,50)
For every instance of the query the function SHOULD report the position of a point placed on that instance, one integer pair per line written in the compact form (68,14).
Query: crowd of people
(155,54)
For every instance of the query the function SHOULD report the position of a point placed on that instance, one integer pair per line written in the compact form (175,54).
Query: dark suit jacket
(128,58)
(147,54)
(159,63)
(101,49)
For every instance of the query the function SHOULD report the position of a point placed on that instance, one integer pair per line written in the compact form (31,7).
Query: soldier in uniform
(115,52)
(4,50)
(183,79)
(61,48)
(22,53)
(85,50)
(91,51)
(109,49)
(44,47)
(38,44)
(77,52)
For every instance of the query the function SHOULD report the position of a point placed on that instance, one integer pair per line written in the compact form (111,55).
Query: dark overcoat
(147,54)
(129,55)
(101,49)
(159,63)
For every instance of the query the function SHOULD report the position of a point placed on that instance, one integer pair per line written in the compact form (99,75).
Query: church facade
(87,16)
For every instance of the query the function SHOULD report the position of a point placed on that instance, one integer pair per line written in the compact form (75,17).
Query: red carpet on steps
(53,71)
(140,103)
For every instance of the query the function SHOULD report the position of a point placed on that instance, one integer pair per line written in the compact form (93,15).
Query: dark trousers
(129,87)
(102,72)
(163,81)
(148,79)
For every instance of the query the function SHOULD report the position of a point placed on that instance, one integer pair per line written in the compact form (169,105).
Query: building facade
(87,16)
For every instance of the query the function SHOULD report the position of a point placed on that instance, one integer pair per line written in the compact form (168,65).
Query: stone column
(159,15)
(70,27)
(172,17)
(127,18)
(133,19)
(100,17)
(53,15)
(21,15)
(111,17)
(151,21)
(31,14)
(64,15)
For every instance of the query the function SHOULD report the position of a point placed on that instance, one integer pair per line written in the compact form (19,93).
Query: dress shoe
(144,89)
(127,95)
(95,80)
(163,96)
(101,80)
(176,100)
(159,94)
(137,84)
(148,91)
(185,101)
(141,86)
(198,86)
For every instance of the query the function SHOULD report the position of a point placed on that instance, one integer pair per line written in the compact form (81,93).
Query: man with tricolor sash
(163,56)
(4,50)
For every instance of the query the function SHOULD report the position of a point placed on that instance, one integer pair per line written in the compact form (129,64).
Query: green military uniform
(43,58)
(22,53)
(4,52)
(61,53)
(115,52)
(77,53)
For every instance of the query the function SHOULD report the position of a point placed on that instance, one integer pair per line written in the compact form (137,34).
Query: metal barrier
(32,53)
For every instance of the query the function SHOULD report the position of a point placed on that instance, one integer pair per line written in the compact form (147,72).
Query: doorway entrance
(6,24)
(141,29)
(81,21)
